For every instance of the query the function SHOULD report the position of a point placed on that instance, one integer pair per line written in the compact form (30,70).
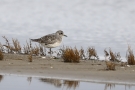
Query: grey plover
(51,40)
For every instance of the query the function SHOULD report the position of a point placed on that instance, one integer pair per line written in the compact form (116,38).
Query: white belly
(51,45)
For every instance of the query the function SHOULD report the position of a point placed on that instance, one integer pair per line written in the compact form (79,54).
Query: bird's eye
(61,33)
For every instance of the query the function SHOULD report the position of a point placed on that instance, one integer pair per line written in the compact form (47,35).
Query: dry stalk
(7,44)
(30,57)
(17,47)
(92,52)
(82,55)
(130,56)
(112,55)
(110,65)
(1,55)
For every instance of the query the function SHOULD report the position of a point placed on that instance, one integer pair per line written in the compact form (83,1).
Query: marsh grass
(1,55)
(82,55)
(7,44)
(112,56)
(27,48)
(92,52)
(30,57)
(71,55)
(12,48)
(35,50)
(130,56)
(110,65)
(106,54)
(16,46)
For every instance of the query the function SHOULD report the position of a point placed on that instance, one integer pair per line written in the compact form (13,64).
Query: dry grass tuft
(112,56)
(110,65)
(82,55)
(130,56)
(35,50)
(30,57)
(16,46)
(27,48)
(92,52)
(1,48)
(1,55)
(7,44)
(71,55)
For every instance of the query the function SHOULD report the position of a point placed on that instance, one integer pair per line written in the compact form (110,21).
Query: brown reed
(112,55)
(130,56)
(16,46)
(71,55)
(7,44)
(110,65)
(81,52)
(92,52)
(1,55)
(30,57)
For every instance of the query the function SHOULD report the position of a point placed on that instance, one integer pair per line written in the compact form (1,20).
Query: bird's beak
(65,35)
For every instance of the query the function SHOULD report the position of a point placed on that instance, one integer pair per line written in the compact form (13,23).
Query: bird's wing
(49,39)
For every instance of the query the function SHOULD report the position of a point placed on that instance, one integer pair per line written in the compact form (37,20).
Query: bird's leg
(51,52)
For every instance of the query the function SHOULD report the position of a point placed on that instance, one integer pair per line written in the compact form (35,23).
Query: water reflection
(20,83)
(55,82)
(59,83)
(109,85)
(29,79)
(1,78)
(71,84)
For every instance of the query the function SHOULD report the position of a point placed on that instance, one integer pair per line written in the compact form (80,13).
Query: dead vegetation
(71,55)
(110,65)
(15,48)
(82,55)
(1,55)
(27,48)
(130,56)
(92,52)
(30,57)
(112,56)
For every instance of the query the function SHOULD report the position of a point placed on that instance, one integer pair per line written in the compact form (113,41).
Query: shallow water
(98,23)
(8,82)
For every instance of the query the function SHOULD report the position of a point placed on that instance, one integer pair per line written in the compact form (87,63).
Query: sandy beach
(86,70)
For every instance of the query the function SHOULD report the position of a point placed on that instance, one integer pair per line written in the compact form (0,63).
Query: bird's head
(61,33)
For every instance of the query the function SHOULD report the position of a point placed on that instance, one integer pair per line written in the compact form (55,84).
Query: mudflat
(87,70)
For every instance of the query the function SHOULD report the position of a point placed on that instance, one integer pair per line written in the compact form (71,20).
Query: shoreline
(86,70)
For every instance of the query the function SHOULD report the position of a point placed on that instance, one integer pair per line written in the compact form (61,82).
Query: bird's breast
(56,44)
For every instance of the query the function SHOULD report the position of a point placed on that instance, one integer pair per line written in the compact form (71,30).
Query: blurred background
(98,23)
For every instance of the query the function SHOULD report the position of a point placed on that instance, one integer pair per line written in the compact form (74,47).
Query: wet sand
(86,70)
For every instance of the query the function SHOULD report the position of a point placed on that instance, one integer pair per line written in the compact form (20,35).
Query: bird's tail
(35,40)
